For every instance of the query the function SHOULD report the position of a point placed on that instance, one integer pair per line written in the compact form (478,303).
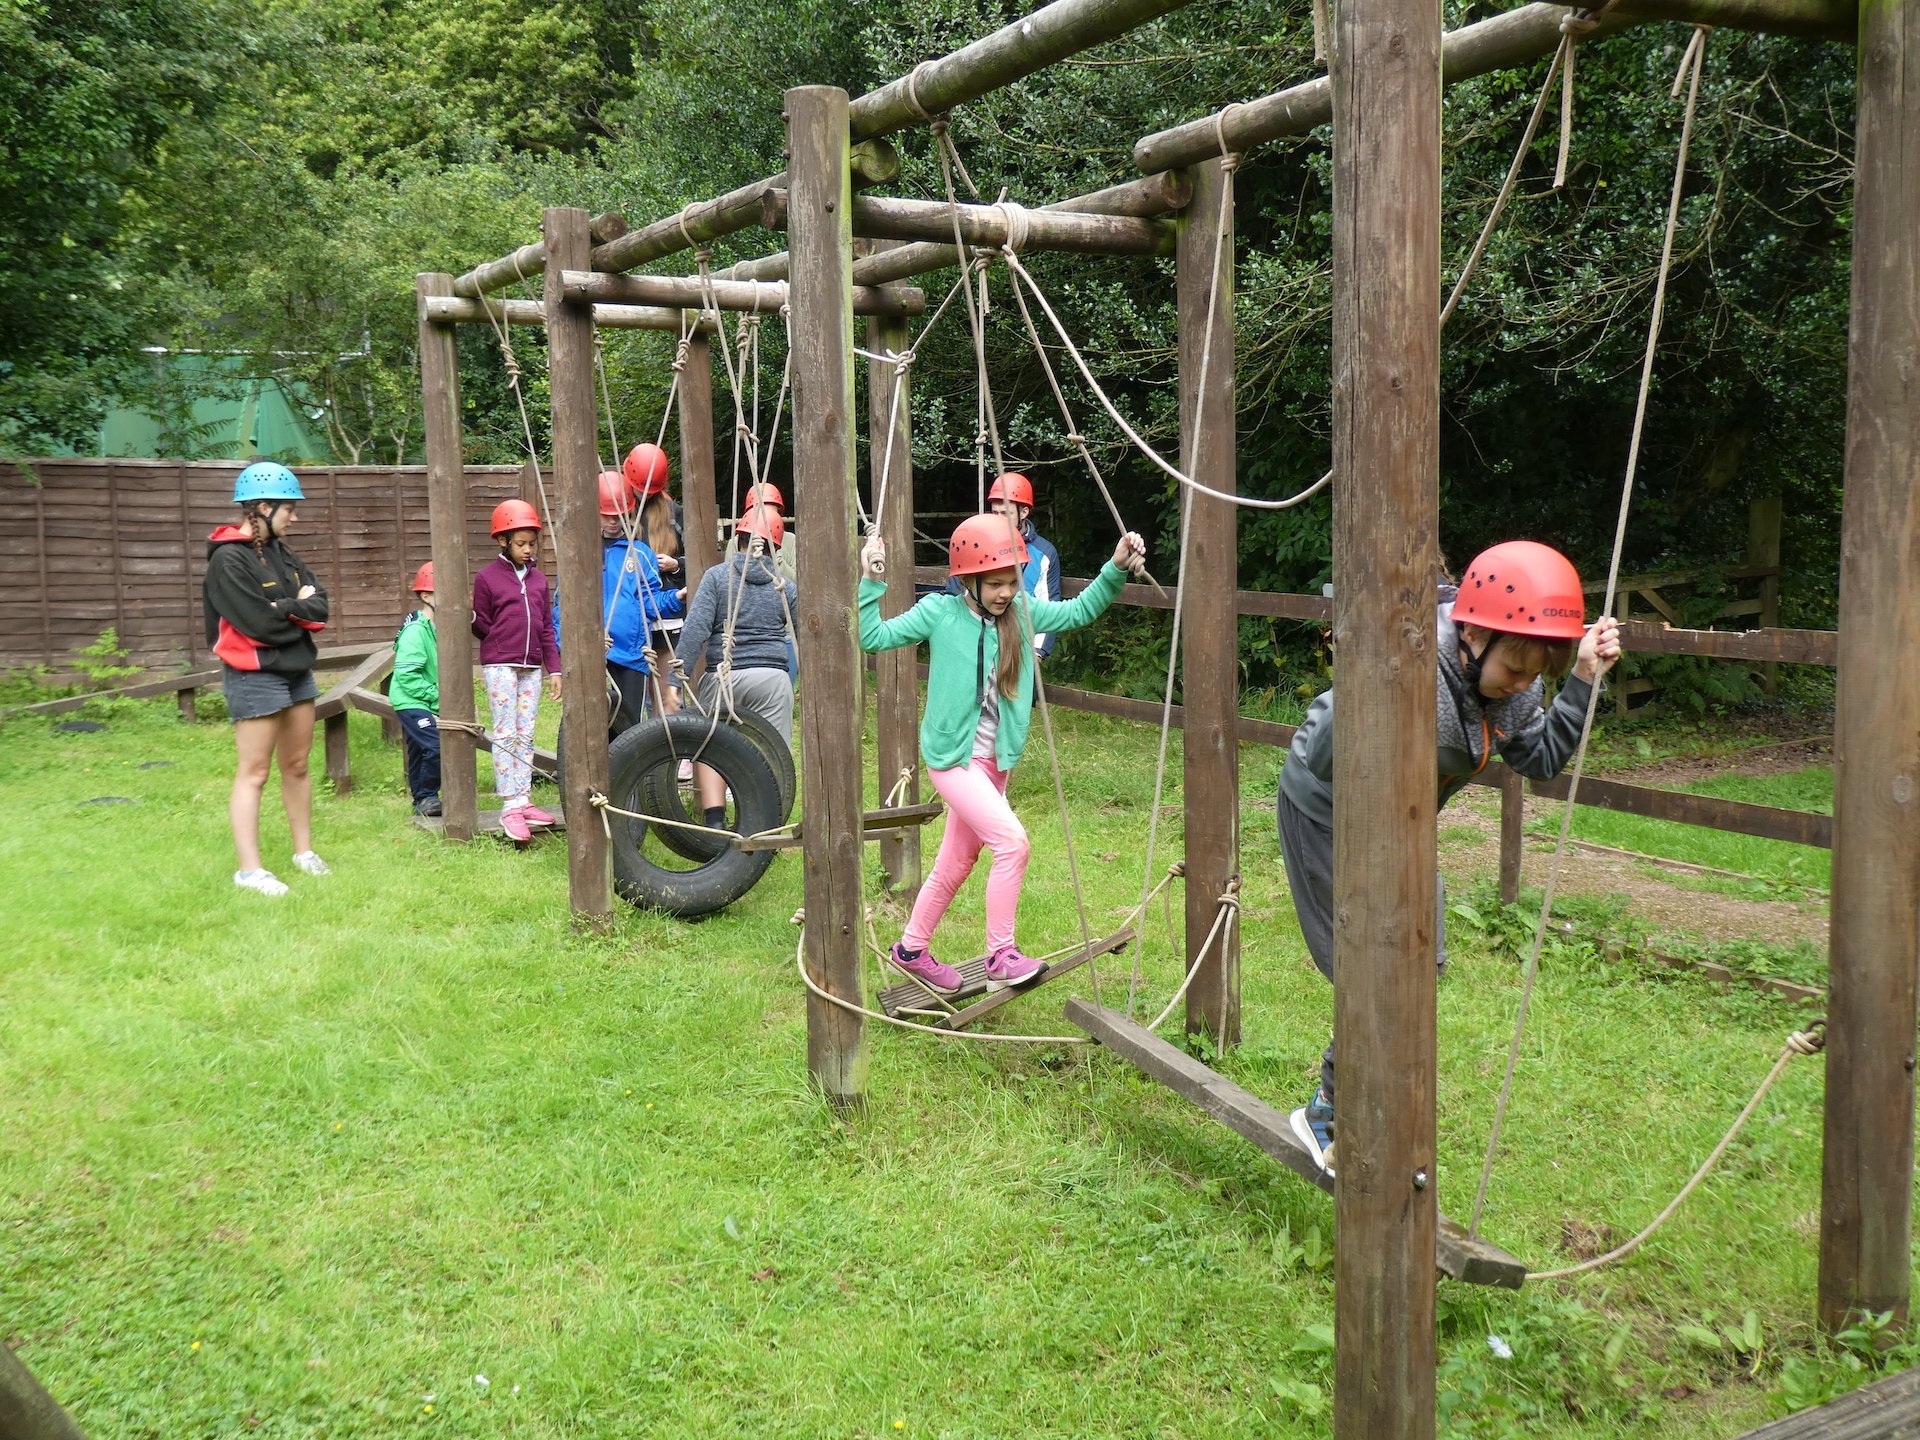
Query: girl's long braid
(258,527)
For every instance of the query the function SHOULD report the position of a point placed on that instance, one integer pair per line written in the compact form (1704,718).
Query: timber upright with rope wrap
(823,480)
(453,596)
(1386,419)
(576,543)
(1866,1197)
(1208,580)
(897,682)
(697,484)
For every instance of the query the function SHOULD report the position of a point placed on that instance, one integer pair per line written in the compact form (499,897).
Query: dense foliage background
(266,176)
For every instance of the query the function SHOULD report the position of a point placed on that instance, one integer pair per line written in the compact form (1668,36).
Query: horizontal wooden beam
(1459,1255)
(1145,196)
(1738,817)
(190,680)
(751,295)
(451,310)
(374,667)
(1516,37)
(992,226)
(529,260)
(372,702)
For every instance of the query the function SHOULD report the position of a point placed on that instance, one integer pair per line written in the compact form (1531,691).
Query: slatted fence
(90,544)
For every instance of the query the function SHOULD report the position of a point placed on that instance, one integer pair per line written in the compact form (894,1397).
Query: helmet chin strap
(1475,661)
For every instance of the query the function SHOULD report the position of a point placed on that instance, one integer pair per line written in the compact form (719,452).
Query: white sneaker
(311,864)
(262,880)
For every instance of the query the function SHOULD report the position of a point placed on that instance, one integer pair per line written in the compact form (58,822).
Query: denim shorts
(256,694)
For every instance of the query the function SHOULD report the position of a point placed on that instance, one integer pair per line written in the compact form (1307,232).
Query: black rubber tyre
(669,800)
(642,762)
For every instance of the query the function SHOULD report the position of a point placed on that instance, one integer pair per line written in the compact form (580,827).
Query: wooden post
(1763,548)
(1210,633)
(1866,1197)
(575,496)
(27,1411)
(1513,815)
(1386,384)
(823,457)
(339,762)
(186,699)
(452,575)
(896,675)
(698,495)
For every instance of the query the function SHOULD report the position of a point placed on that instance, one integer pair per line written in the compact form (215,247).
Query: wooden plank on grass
(1887,1409)
(370,669)
(1474,1261)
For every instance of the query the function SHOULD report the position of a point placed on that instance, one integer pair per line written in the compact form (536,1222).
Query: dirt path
(1668,903)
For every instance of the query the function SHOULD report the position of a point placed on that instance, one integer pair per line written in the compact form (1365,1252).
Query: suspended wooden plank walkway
(910,1000)
(1457,1254)
(875,825)
(1887,1409)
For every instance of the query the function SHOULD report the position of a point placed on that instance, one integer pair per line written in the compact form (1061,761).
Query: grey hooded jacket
(1534,738)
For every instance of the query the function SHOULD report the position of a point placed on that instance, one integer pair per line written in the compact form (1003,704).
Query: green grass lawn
(314,1167)
(1775,862)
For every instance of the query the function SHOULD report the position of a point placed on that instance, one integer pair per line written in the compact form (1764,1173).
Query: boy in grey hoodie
(1517,615)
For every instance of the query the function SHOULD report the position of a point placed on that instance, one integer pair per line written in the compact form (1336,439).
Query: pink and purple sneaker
(941,979)
(1007,966)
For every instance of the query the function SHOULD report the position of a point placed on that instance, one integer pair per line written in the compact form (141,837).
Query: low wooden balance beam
(911,1000)
(1457,1254)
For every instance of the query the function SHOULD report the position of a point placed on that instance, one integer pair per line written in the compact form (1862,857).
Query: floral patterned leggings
(513,695)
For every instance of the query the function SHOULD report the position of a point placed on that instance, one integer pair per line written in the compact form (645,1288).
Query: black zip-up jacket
(253,620)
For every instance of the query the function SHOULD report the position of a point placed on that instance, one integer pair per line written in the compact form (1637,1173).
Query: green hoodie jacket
(416,665)
(961,648)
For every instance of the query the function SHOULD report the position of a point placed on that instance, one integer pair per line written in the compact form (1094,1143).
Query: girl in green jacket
(979,701)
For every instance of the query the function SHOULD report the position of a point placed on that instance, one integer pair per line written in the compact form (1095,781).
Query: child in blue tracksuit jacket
(633,601)
(1012,494)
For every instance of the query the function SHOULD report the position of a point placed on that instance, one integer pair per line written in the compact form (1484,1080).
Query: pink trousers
(977,815)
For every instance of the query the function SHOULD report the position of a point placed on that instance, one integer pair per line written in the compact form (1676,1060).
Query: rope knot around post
(915,104)
(1579,23)
(680,354)
(1018,226)
(1810,1041)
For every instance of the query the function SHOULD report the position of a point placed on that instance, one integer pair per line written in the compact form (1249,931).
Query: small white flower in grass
(1501,1350)
(482,1381)
(516,1389)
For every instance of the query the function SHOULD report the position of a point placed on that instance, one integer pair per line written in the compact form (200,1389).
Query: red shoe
(514,823)
(534,815)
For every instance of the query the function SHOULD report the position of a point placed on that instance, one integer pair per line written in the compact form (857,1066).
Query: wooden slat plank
(375,666)
(1887,1409)
(1065,965)
(1474,1261)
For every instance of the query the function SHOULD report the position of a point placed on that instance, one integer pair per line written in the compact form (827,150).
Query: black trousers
(422,741)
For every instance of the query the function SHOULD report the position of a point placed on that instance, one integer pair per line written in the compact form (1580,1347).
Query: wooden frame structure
(1383,97)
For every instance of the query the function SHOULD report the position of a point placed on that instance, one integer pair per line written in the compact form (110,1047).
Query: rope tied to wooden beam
(1019,226)
(1229,160)
(914,104)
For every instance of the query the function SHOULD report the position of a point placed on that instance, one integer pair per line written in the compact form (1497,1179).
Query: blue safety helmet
(266,480)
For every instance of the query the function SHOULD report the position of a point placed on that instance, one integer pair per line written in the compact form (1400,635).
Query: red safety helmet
(1013,486)
(766,493)
(422,578)
(766,522)
(982,543)
(615,497)
(646,469)
(513,515)
(1521,587)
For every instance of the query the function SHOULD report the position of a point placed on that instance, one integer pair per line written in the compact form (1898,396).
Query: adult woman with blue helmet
(262,606)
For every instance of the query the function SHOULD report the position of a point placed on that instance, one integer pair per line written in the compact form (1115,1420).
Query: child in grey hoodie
(1517,615)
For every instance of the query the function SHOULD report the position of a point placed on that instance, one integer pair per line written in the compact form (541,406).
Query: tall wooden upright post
(897,676)
(1386,417)
(576,520)
(452,573)
(1210,630)
(1866,1197)
(697,482)
(820,241)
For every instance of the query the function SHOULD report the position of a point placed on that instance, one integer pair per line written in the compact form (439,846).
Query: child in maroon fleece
(513,620)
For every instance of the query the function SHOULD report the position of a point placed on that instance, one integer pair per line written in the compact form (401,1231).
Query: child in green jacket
(415,692)
(979,702)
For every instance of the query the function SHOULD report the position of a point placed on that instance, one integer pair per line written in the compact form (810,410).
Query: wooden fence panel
(87,544)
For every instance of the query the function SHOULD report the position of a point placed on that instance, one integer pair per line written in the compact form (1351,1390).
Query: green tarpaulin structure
(220,410)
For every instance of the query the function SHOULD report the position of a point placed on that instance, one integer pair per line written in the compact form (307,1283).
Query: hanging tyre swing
(675,799)
(642,765)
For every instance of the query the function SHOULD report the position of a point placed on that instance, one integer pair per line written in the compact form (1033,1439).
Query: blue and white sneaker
(1313,1125)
